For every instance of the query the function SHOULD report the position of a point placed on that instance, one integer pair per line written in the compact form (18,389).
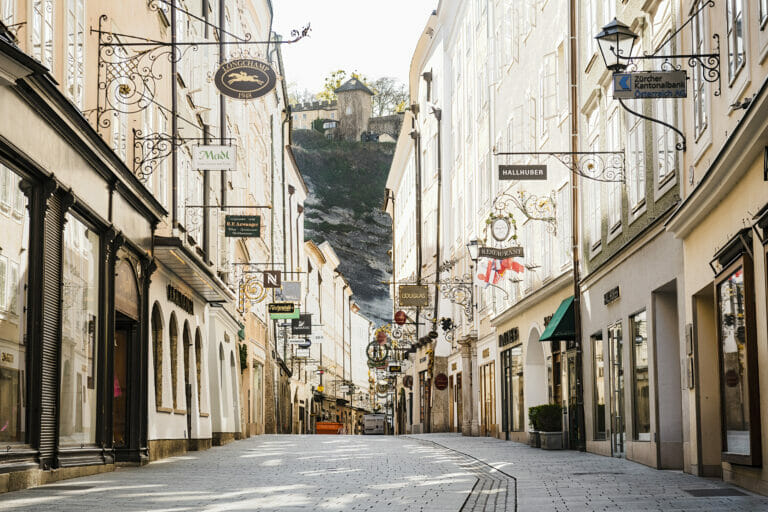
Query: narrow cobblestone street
(439,472)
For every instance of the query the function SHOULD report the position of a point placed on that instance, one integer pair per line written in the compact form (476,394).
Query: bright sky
(373,37)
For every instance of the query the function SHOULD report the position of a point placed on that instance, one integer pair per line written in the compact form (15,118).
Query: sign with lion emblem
(245,79)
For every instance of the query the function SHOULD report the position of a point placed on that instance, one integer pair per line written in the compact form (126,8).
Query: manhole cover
(707,493)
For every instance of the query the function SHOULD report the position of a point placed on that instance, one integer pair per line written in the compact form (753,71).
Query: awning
(561,327)
(189,268)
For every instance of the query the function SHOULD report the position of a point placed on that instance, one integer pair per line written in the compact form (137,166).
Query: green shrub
(550,418)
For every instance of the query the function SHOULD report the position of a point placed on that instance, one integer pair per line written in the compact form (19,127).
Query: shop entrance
(618,420)
(125,330)
(574,401)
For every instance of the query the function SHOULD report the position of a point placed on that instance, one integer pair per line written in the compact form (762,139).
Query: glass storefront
(618,425)
(14,248)
(518,397)
(641,391)
(598,368)
(488,397)
(733,363)
(79,316)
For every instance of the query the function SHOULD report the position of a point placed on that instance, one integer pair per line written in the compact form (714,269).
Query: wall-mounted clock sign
(500,229)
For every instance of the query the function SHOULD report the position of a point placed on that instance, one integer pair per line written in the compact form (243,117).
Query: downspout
(300,210)
(417,172)
(574,100)
(289,225)
(438,116)
(222,101)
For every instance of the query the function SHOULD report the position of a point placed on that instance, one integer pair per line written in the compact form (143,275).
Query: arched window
(173,334)
(199,366)
(186,347)
(157,349)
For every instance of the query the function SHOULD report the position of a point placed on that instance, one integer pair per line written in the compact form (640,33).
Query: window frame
(731,37)
(743,261)
(596,434)
(700,87)
(633,361)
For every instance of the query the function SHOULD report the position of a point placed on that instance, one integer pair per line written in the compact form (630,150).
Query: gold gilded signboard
(413,295)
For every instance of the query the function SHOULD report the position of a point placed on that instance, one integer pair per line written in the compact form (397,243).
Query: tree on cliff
(334,80)
(391,96)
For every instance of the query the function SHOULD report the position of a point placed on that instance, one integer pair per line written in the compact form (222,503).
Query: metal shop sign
(500,253)
(302,326)
(611,295)
(395,368)
(245,79)
(282,311)
(289,291)
(522,172)
(650,84)
(302,353)
(414,295)
(242,226)
(175,296)
(214,158)
(272,279)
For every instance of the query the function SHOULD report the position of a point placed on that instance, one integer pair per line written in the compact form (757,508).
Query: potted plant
(550,420)
(534,440)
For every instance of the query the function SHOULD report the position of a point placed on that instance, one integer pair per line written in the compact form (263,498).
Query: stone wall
(389,125)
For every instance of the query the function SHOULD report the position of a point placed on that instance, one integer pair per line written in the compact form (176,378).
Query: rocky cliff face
(346,183)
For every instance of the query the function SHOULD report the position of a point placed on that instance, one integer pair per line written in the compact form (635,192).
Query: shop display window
(598,369)
(641,391)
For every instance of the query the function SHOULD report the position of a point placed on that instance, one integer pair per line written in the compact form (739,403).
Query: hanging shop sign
(500,253)
(500,229)
(400,317)
(441,381)
(394,368)
(302,353)
(611,295)
(650,85)
(344,389)
(412,295)
(408,381)
(214,158)
(283,311)
(175,296)
(289,291)
(298,341)
(272,279)
(242,226)
(522,172)
(245,79)
(302,326)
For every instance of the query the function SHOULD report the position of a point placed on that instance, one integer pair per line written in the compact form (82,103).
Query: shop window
(173,336)
(157,350)
(422,396)
(79,313)
(640,385)
(740,402)
(518,396)
(598,370)
(14,248)
(488,397)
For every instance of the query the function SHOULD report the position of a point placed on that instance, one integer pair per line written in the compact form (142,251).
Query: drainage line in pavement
(514,479)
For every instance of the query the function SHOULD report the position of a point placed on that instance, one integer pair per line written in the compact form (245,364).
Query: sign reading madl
(242,226)
(650,84)
(214,158)
(414,295)
(522,172)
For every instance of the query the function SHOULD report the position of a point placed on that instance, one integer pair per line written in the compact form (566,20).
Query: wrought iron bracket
(533,207)
(607,166)
(680,146)
(459,290)
(151,149)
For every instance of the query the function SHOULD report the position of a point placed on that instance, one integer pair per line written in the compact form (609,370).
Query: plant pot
(551,440)
(534,439)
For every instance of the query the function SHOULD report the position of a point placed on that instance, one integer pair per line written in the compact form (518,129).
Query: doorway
(574,401)
(618,419)
(187,344)
(125,332)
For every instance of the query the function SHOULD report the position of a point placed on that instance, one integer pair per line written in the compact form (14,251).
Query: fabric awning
(561,327)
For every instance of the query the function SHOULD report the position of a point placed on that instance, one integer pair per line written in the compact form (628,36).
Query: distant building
(351,114)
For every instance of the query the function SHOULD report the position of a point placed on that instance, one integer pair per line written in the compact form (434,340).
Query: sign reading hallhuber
(242,226)
(500,253)
(413,295)
(214,158)
(650,84)
(522,172)
(245,79)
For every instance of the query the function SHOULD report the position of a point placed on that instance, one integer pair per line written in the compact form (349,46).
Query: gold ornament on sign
(125,89)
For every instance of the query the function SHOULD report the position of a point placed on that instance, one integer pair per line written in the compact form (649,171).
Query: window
(79,312)
(738,365)
(548,87)
(8,12)
(636,161)
(664,138)
(157,349)
(640,383)
(518,391)
(3,282)
(613,143)
(763,12)
(590,27)
(598,371)
(42,31)
(734,14)
(488,397)
(594,201)
(6,178)
(173,336)
(609,11)
(700,98)
(75,49)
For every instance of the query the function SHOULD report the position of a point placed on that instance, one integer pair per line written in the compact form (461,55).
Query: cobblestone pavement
(574,481)
(437,472)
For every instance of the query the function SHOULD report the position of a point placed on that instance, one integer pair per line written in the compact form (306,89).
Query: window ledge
(166,410)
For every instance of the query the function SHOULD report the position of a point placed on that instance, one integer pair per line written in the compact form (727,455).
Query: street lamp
(473,247)
(616,42)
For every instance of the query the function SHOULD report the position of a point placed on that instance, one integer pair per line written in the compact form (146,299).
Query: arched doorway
(157,352)
(173,335)
(127,306)
(187,347)
(199,367)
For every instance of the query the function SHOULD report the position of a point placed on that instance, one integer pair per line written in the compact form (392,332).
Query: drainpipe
(417,172)
(438,113)
(300,210)
(289,238)
(222,101)
(574,100)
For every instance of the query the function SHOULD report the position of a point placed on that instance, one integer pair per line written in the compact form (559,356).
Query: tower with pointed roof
(355,109)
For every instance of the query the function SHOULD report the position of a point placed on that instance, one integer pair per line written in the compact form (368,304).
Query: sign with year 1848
(245,79)
(242,226)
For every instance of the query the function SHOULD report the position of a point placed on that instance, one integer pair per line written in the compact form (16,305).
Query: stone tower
(354,109)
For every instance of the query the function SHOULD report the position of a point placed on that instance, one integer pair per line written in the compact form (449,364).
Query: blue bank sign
(650,84)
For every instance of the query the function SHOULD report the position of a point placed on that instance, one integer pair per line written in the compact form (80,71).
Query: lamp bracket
(680,146)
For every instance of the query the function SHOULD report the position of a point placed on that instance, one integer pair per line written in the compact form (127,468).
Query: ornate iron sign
(245,79)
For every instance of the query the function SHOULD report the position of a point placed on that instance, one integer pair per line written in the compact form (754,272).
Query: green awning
(561,327)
